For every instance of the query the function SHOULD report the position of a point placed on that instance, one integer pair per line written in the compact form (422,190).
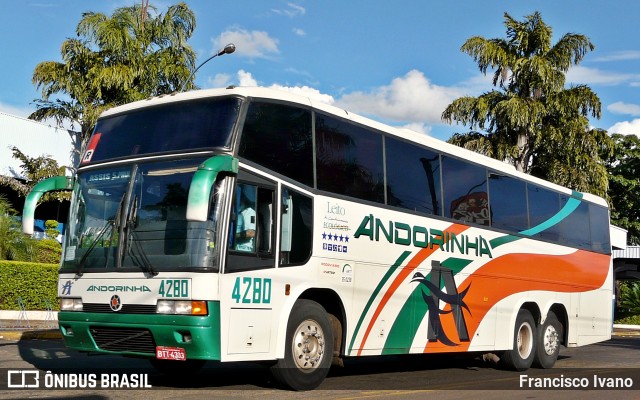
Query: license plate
(170,353)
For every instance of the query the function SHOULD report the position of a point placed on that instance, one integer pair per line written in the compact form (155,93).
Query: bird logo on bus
(452,297)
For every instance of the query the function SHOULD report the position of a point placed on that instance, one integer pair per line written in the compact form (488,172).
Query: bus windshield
(173,127)
(133,217)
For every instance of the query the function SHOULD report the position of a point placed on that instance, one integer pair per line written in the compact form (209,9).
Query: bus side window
(265,220)
(251,229)
(253,226)
(297,227)
(244,232)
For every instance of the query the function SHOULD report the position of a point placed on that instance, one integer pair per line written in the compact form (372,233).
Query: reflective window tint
(172,127)
(574,229)
(599,226)
(354,161)
(243,237)
(465,191)
(297,227)
(413,177)
(543,205)
(508,203)
(278,137)
(349,159)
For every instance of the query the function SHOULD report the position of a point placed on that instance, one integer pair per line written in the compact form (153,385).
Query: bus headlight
(70,304)
(164,307)
(182,307)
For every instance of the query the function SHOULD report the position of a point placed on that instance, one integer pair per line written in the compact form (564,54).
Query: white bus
(247,224)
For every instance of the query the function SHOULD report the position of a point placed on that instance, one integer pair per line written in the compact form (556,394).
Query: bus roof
(407,134)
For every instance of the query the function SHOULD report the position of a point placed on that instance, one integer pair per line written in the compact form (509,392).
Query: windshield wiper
(129,230)
(110,224)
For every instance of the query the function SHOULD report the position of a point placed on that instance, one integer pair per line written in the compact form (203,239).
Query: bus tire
(548,342)
(520,357)
(308,347)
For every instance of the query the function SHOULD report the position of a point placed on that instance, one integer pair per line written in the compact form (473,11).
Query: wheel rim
(308,345)
(550,340)
(525,340)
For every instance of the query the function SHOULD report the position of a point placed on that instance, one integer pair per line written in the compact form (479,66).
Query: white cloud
(410,98)
(624,108)
(220,80)
(254,44)
(594,76)
(626,128)
(418,127)
(306,91)
(299,32)
(292,10)
(246,79)
(624,55)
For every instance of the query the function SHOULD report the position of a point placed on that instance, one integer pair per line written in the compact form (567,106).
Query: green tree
(630,297)
(34,170)
(623,165)
(13,244)
(51,229)
(530,119)
(133,54)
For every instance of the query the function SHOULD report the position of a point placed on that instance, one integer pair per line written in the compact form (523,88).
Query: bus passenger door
(245,284)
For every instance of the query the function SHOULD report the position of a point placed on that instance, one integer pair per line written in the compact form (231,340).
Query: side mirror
(31,202)
(202,183)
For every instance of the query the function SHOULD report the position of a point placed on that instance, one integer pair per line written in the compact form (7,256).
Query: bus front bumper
(141,334)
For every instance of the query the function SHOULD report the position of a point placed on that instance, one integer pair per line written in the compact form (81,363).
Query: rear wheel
(308,347)
(521,356)
(548,342)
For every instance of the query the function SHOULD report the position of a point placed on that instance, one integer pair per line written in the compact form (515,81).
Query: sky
(398,62)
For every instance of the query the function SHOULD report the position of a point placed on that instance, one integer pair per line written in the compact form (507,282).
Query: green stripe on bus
(499,241)
(568,209)
(377,290)
(413,311)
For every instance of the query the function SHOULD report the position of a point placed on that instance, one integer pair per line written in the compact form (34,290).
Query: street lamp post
(228,49)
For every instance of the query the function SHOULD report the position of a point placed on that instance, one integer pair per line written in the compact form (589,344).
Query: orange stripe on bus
(402,275)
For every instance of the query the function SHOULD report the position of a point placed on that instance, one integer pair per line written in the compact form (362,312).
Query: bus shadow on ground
(52,355)
(371,372)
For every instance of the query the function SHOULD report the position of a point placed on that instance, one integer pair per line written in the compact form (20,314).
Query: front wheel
(308,348)
(521,356)
(548,342)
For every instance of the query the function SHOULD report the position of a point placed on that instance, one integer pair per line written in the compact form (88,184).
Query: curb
(20,334)
(626,330)
(629,327)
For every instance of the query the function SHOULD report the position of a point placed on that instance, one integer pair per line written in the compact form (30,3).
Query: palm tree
(128,56)
(530,119)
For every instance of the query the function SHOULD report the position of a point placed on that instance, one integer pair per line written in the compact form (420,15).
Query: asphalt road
(615,362)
